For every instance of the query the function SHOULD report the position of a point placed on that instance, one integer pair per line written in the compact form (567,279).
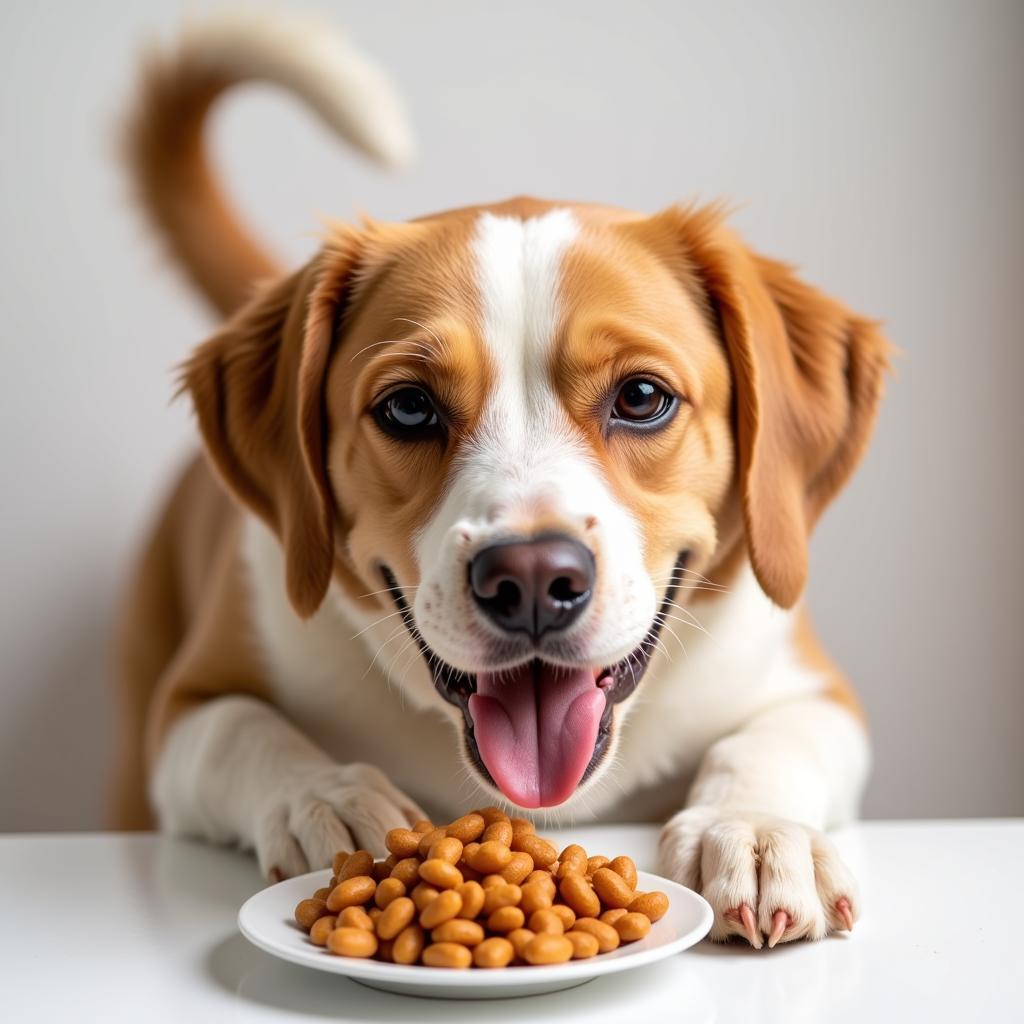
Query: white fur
(526,459)
(313,59)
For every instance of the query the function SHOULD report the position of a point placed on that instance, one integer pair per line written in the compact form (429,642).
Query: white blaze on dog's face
(535,436)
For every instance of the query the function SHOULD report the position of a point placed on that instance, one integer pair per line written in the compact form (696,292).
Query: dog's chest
(373,702)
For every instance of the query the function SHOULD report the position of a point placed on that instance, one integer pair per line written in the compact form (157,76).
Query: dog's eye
(641,401)
(408,413)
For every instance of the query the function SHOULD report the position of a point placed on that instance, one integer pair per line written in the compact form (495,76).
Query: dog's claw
(844,910)
(780,922)
(275,875)
(750,926)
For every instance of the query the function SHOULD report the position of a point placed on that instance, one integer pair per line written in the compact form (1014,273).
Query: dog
(506,504)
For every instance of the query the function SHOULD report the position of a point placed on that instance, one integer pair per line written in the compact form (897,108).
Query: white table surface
(142,927)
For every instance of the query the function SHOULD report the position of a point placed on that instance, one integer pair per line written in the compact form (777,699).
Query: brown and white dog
(507,504)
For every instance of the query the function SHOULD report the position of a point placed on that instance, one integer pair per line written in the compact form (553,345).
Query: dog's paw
(312,815)
(766,878)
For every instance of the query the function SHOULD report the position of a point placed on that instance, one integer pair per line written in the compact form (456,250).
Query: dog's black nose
(533,586)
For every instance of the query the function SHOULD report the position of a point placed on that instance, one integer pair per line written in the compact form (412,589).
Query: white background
(879,145)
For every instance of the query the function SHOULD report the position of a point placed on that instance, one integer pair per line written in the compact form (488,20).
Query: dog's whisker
(377,622)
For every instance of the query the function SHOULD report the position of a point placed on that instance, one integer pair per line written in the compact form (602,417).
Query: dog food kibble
(466,933)
(584,945)
(444,908)
(322,927)
(494,952)
(548,949)
(351,893)
(485,891)
(352,942)
(397,917)
(472,894)
(653,905)
(355,917)
(402,842)
(308,912)
(632,927)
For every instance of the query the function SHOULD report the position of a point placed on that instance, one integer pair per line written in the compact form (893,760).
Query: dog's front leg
(750,838)
(235,771)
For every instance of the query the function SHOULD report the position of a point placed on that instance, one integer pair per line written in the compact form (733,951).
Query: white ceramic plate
(266,921)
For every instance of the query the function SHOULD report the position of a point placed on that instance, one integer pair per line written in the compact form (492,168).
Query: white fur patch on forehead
(519,271)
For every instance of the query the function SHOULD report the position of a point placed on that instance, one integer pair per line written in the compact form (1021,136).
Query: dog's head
(526,431)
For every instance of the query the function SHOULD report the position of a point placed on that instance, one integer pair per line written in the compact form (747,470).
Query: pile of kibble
(484,891)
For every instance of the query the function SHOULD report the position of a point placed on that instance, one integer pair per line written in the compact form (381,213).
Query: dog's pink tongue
(535,728)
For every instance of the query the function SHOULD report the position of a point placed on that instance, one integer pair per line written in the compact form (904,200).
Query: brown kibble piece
(541,852)
(423,825)
(542,876)
(504,895)
(322,927)
(611,916)
(322,894)
(402,842)
(492,814)
(447,954)
(407,871)
(584,945)
(355,917)
(607,937)
(626,869)
(427,840)
(566,913)
(521,826)
(449,849)
(498,832)
(505,919)
(546,922)
(397,916)
(653,905)
(440,873)
(350,892)
(576,891)
(596,862)
(519,937)
(572,858)
(339,862)
(612,889)
(490,857)
(408,945)
(308,912)
(548,949)
(632,926)
(494,952)
(352,942)
(458,929)
(423,894)
(472,894)
(536,896)
(444,908)
(468,828)
(360,863)
(388,889)
(516,870)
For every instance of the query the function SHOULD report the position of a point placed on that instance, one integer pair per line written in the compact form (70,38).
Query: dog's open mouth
(537,730)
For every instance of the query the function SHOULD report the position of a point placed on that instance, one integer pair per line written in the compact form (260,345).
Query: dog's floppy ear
(808,376)
(257,387)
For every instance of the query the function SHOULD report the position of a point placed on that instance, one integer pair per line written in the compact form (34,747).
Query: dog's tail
(165,145)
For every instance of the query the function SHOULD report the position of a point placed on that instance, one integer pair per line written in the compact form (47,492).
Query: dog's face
(527,430)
